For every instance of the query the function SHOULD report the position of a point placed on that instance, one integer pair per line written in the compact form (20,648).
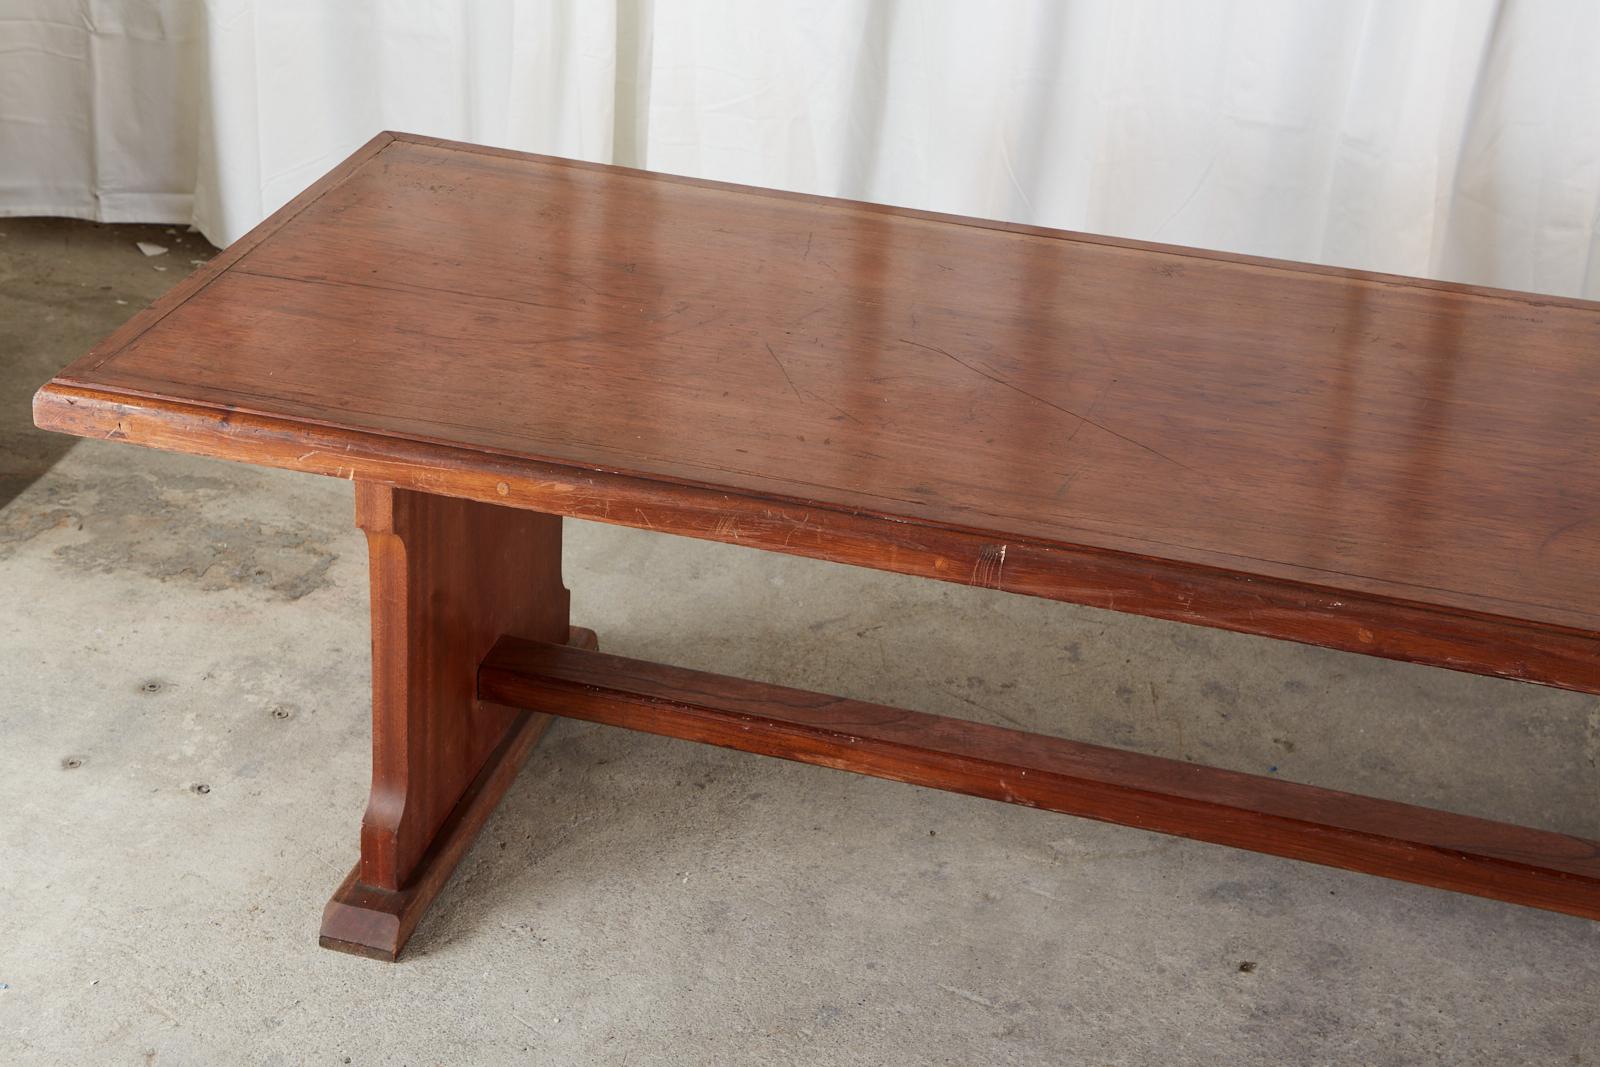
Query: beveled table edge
(1242,599)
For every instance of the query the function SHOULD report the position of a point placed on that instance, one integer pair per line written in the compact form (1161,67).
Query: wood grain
(1255,603)
(1435,848)
(487,341)
(371,921)
(1359,439)
(448,577)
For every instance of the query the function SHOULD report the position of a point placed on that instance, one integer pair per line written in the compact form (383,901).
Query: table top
(1360,433)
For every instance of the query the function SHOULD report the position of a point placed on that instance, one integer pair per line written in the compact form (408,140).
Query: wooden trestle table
(486,341)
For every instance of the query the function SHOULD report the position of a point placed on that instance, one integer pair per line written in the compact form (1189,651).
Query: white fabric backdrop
(1455,139)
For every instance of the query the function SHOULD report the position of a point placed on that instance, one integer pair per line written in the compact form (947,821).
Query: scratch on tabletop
(785,371)
(845,414)
(1052,404)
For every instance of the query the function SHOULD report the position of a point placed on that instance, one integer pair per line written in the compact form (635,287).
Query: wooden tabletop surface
(1432,443)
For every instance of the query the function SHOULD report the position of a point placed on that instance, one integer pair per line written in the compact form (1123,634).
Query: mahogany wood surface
(374,922)
(1367,462)
(448,577)
(1413,844)
(1375,626)
(486,341)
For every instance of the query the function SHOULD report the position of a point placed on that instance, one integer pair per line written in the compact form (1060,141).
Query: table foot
(374,922)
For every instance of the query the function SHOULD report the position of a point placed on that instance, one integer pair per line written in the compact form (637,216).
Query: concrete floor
(183,736)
